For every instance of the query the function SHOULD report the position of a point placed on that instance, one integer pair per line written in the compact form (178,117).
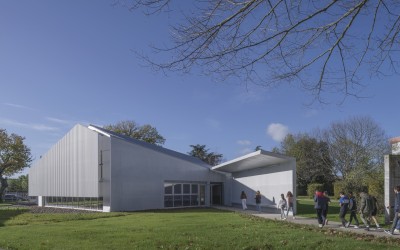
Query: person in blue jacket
(344,207)
(396,210)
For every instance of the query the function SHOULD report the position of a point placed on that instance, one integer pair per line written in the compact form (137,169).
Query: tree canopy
(131,129)
(323,46)
(18,185)
(356,144)
(313,162)
(201,152)
(351,151)
(14,157)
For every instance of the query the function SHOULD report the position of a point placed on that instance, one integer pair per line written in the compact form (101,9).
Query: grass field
(171,229)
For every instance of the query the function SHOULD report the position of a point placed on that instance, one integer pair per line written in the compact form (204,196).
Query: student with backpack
(366,207)
(353,210)
(375,211)
(282,205)
(396,210)
(320,202)
(344,207)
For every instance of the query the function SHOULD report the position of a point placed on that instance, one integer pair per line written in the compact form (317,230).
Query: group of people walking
(348,204)
(285,203)
(257,198)
(367,209)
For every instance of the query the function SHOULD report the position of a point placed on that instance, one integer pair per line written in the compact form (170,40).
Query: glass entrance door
(216,191)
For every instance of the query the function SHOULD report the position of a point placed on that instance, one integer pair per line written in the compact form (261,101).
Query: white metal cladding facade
(140,170)
(70,168)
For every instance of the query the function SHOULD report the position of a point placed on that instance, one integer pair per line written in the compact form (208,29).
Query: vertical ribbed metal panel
(69,168)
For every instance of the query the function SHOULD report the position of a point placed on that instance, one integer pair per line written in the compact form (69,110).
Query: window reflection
(184,194)
(90,203)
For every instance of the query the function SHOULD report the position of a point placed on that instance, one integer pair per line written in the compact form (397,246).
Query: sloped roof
(149,146)
(253,160)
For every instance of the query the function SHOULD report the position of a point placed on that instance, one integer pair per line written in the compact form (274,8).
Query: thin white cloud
(60,121)
(18,106)
(34,126)
(277,131)
(243,142)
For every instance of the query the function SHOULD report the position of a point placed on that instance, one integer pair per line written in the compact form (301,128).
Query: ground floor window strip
(184,194)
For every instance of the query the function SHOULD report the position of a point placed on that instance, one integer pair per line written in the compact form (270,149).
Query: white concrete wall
(271,181)
(138,174)
(392,179)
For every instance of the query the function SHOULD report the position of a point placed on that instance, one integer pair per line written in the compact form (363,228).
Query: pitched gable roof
(150,146)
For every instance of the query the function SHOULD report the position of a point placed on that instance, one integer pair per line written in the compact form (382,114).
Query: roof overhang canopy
(253,160)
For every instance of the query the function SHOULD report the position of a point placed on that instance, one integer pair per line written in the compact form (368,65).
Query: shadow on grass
(186,210)
(7,212)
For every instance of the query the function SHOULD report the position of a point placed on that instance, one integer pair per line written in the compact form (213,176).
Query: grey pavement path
(312,222)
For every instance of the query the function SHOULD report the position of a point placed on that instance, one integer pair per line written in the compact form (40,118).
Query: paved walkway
(313,222)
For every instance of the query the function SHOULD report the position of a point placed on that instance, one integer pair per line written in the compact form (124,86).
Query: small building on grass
(97,169)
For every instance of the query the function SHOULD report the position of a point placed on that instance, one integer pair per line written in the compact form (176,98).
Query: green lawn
(171,229)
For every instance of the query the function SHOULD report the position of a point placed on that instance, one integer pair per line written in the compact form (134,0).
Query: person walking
(290,202)
(397,230)
(366,209)
(282,205)
(396,210)
(243,197)
(353,210)
(375,211)
(344,207)
(258,201)
(325,211)
(320,202)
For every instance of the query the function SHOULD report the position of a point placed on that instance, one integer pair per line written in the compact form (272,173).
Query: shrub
(314,186)
(338,187)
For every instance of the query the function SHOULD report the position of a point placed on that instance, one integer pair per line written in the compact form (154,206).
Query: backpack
(353,204)
(374,208)
(369,205)
(283,205)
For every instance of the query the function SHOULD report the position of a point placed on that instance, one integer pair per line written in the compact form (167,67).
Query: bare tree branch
(323,46)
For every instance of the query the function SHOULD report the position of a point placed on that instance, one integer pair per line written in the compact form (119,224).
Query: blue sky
(69,62)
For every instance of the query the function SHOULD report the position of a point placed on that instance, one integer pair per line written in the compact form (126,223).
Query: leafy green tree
(356,146)
(201,152)
(14,157)
(313,163)
(258,148)
(18,185)
(131,129)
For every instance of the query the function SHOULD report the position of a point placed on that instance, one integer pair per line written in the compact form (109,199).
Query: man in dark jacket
(320,205)
(396,210)
(366,207)
(353,210)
